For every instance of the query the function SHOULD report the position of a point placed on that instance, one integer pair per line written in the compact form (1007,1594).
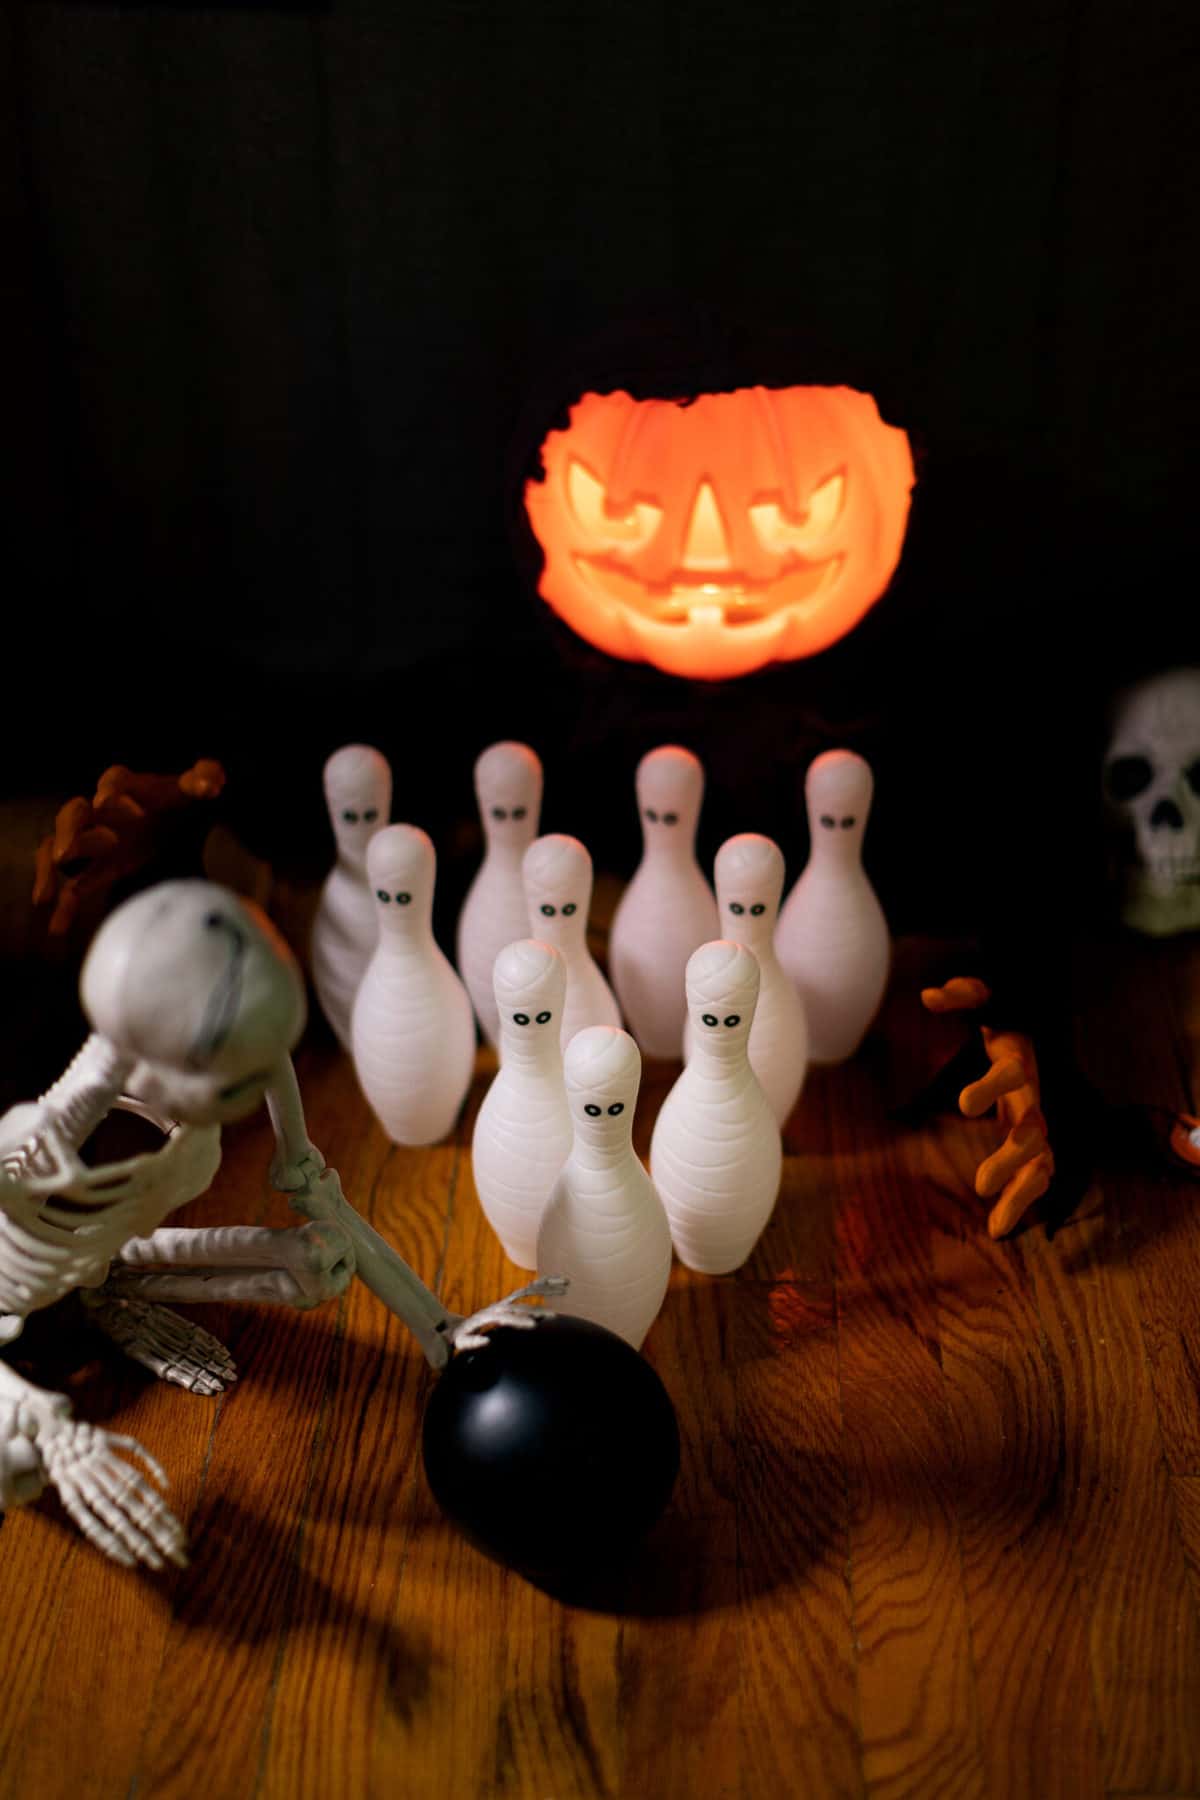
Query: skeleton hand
(22,1476)
(468,1334)
(112,1503)
(174,1349)
(1020,1171)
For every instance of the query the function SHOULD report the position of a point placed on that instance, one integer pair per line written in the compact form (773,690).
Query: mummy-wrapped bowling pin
(412,1029)
(749,875)
(716,1156)
(558,893)
(523,1131)
(832,937)
(358,792)
(667,910)
(508,788)
(604,1226)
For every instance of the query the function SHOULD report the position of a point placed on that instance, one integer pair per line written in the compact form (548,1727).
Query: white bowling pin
(716,1157)
(668,909)
(412,1028)
(358,792)
(523,1129)
(832,937)
(508,788)
(604,1226)
(558,893)
(749,876)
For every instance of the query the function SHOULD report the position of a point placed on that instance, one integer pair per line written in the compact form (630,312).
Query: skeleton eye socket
(370,816)
(1129,776)
(403,899)
(569,908)
(710,1018)
(543,1018)
(498,812)
(549,911)
(735,906)
(593,1112)
(618,1108)
(350,816)
(520,1018)
(518,812)
(733,1018)
(758,908)
(828,821)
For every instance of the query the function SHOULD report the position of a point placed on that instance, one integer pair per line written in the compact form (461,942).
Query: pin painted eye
(544,1018)
(549,911)
(733,1018)
(350,817)
(498,812)
(846,824)
(735,906)
(518,812)
(403,899)
(758,908)
(710,1018)
(619,1107)
(520,1018)
(569,908)
(380,894)
(652,815)
(593,1112)
(828,821)
(670,818)
(370,816)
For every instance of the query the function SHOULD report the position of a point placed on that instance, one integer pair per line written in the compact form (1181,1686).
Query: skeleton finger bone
(470,1333)
(174,1349)
(113,1505)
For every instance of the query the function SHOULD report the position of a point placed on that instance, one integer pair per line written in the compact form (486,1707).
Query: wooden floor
(937,1530)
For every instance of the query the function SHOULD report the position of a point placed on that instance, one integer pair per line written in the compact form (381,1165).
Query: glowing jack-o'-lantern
(714,536)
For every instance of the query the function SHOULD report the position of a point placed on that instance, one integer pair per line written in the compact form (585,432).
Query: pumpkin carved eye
(588,501)
(781,534)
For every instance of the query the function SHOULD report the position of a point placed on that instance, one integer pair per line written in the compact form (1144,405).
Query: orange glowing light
(713,537)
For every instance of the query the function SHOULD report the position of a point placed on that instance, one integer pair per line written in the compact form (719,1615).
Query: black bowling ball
(555,1448)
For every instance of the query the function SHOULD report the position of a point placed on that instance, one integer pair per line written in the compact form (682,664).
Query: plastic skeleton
(195,1004)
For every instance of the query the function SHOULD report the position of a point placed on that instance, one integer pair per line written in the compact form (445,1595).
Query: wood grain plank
(1029,1639)
(919,1708)
(1118,1516)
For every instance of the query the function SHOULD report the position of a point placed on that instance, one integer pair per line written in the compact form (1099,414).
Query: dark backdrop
(294,292)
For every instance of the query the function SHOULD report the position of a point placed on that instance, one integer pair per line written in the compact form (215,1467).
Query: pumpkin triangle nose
(706,545)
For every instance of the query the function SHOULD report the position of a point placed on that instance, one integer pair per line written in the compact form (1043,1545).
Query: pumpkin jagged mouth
(691,597)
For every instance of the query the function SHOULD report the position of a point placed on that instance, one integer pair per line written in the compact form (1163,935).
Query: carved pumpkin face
(713,537)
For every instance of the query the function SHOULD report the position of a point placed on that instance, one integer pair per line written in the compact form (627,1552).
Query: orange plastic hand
(1020,1171)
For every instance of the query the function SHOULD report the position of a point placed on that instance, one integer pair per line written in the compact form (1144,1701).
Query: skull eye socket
(1128,776)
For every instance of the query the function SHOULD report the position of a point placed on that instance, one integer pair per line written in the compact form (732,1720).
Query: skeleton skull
(1152,795)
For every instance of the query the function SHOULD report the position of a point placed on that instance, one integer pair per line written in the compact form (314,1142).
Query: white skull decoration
(1152,795)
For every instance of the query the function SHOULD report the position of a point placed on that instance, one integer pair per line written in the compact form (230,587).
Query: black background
(294,293)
